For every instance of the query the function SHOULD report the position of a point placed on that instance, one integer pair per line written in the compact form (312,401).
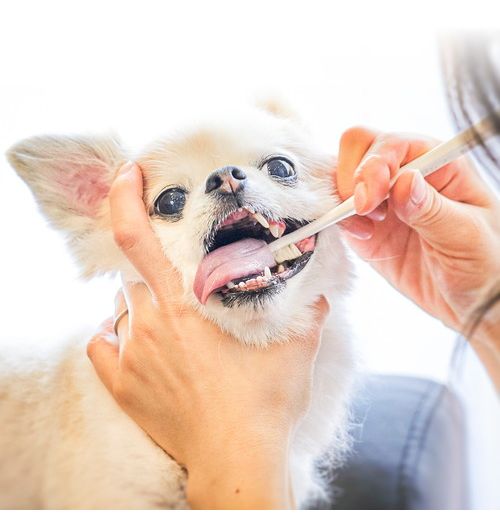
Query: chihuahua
(211,191)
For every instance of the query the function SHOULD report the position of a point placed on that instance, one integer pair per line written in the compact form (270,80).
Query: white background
(140,68)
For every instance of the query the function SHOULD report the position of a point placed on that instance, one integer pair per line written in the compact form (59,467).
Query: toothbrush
(285,249)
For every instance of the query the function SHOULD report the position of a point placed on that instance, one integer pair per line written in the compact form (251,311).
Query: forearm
(250,476)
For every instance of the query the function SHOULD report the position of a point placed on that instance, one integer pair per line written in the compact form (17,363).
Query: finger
(431,214)
(102,351)
(134,235)
(138,297)
(120,303)
(379,213)
(122,326)
(354,144)
(381,164)
(359,228)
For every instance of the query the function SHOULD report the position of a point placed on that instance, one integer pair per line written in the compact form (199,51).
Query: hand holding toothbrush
(435,240)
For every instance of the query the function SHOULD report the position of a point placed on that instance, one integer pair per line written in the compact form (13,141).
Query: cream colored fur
(64,443)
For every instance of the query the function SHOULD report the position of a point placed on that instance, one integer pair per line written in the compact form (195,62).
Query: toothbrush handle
(427,163)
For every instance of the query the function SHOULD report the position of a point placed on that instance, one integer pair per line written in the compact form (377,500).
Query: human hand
(436,240)
(224,411)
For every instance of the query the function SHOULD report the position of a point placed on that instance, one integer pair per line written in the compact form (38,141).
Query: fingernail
(126,168)
(360,196)
(418,188)
(360,234)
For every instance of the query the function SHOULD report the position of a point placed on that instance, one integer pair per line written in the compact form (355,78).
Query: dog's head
(214,193)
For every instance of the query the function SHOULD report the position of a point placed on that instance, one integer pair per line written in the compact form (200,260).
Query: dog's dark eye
(280,168)
(170,202)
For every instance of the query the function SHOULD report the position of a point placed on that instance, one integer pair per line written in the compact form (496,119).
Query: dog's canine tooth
(281,230)
(261,220)
(281,268)
(267,272)
(275,230)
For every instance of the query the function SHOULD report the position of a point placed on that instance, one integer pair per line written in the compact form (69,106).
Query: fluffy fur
(64,443)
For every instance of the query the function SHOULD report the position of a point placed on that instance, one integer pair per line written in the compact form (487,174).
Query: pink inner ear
(84,186)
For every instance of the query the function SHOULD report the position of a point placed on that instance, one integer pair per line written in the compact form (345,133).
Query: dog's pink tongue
(236,260)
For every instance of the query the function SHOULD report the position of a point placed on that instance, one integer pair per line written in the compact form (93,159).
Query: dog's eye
(170,202)
(280,168)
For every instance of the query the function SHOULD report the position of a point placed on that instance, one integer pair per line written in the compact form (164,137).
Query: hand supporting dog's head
(212,193)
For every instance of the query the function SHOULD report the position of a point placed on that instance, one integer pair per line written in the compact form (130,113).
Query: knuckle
(121,393)
(372,163)
(430,213)
(392,138)
(125,238)
(354,135)
(128,363)
(142,331)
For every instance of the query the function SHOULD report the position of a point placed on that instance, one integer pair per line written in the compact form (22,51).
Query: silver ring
(117,320)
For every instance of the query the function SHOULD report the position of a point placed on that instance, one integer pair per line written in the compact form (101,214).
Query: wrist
(249,473)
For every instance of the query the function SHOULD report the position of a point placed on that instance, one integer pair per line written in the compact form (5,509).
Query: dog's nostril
(229,179)
(214,182)
(238,174)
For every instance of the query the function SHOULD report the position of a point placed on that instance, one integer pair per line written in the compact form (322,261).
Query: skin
(223,411)
(228,413)
(436,241)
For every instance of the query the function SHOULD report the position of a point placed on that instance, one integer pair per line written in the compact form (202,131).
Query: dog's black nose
(229,179)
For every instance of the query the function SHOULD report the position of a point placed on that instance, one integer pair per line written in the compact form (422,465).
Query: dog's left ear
(70,178)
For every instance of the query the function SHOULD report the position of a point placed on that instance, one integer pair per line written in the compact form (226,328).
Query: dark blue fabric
(409,448)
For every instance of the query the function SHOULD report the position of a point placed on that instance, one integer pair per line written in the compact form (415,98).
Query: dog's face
(215,194)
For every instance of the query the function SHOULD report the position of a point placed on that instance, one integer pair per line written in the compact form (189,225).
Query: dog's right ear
(70,178)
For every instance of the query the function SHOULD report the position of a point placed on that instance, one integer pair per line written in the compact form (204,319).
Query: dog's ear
(278,108)
(70,178)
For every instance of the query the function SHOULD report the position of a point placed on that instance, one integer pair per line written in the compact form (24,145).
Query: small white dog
(64,442)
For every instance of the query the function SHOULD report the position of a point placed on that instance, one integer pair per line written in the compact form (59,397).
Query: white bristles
(289,252)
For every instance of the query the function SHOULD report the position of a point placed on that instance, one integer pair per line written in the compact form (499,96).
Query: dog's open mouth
(238,262)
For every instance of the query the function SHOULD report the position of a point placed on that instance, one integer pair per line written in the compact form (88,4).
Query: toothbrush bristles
(289,252)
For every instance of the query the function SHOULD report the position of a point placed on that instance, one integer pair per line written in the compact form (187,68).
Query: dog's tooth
(261,220)
(281,230)
(274,229)
(267,272)
(295,250)
(250,210)
(260,278)
(242,285)
(230,285)
(281,268)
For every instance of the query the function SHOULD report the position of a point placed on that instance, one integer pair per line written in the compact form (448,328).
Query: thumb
(419,205)
(103,351)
